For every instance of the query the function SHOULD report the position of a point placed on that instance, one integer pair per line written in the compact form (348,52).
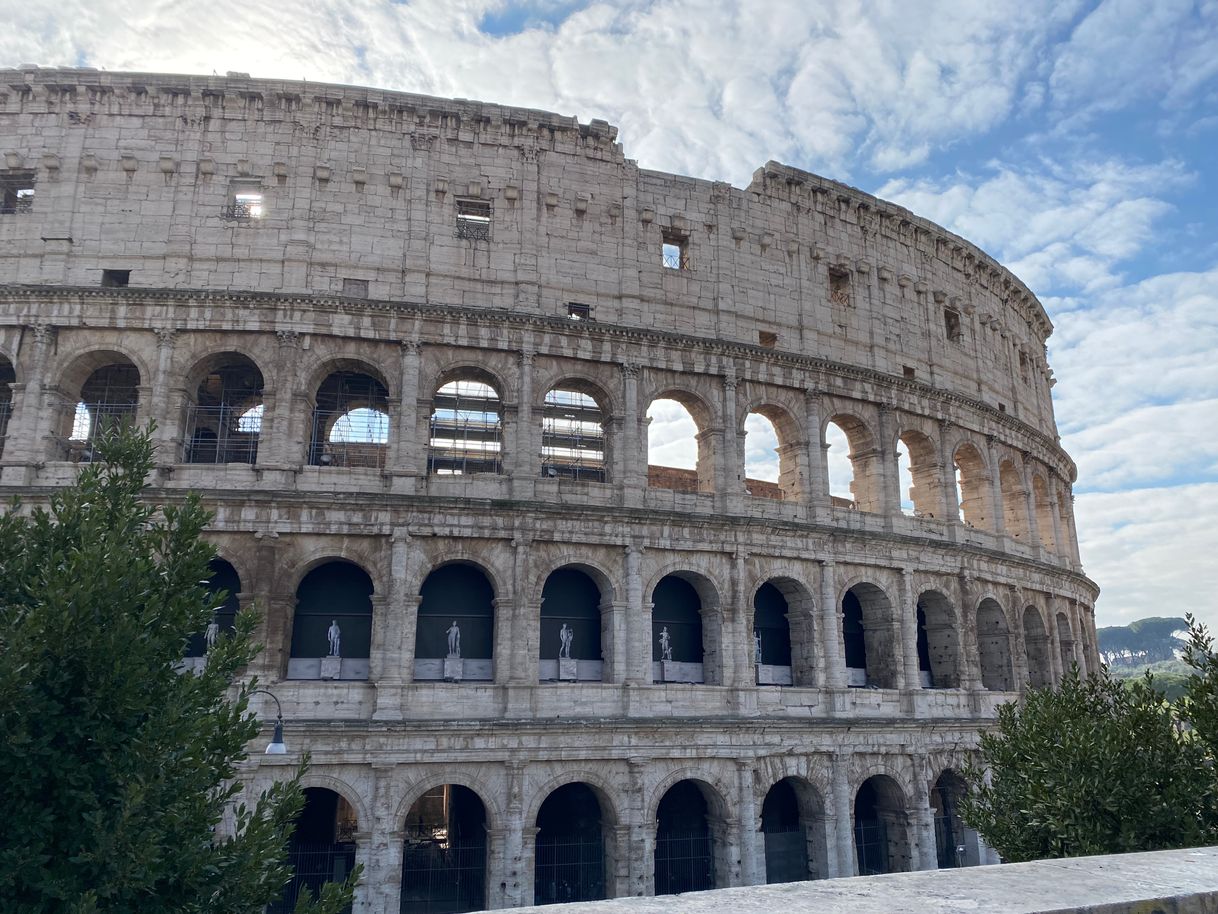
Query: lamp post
(276,746)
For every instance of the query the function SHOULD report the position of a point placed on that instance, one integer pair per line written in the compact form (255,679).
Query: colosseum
(407,347)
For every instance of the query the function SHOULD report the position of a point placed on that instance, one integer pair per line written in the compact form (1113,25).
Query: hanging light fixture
(276,746)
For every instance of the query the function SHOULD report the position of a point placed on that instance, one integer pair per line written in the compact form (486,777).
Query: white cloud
(1152,551)
(671,436)
(1054,226)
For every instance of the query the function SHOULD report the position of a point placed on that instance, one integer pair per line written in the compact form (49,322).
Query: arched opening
(332,627)
(1065,641)
(109,396)
(678,451)
(994,647)
(955,843)
(225,420)
(8,377)
(677,638)
(689,838)
(765,475)
(867,637)
(771,636)
(570,642)
(938,642)
(455,634)
(569,863)
(1014,501)
(466,428)
(793,829)
(1036,646)
(224,580)
(350,421)
(321,849)
(855,477)
(881,840)
(973,488)
(1044,513)
(572,436)
(444,856)
(918,469)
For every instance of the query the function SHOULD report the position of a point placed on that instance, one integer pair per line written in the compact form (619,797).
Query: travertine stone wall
(802,299)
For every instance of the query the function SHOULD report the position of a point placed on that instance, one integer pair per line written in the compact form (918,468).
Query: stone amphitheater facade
(405,348)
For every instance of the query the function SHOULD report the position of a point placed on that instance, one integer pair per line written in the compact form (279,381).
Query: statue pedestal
(453,668)
(568,669)
(331,667)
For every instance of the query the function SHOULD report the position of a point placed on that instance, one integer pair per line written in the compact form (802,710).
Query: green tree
(118,768)
(1100,766)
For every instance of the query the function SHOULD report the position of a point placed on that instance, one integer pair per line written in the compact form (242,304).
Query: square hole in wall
(16,193)
(115,279)
(767,339)
(355,288)
(579,312)
(674,251)
(474,220)
(951,324)
(910,372)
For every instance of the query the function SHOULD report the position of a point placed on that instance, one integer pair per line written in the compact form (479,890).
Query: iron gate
(786,855)
(569,867)
(871,845)
(439,877)
(685,862)
(949,835)
(313,865)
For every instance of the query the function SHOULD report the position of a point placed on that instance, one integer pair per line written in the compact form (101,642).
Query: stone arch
(800,627)
(574,431)
(439,552)
(335,593)
(316,373)
(866,486)
(224,577)
(973,486)
(366,556)
(225,398)
(794,832)
(1014,501)
(351,420)
(1044,512)
(98,385)
(692,840)
(8,377)
(1036,647)
(573,625)
(78,363)
(670,475)
(719,790)
(994,646)
(788,483)
(589,566)
(955,843)
(867,634)
(881,827)
(939,651)
(602,785)
(485,790)
(344,789)
(445,852)
(466,424)
(695,642)
(326,828)
(1065,641)
(925,493)
(574,845)
(456,623)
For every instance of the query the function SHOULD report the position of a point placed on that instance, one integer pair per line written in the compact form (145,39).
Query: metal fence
(569,868)
(6,410)
(786,855)
(871,845)
(442,877)
(349,438)
(222,434)
(313,865)
(685,861)
(949,840)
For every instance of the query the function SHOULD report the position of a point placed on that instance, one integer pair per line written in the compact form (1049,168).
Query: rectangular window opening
(839,286)
(767,339)
(245,203)
(910,372)
(474,220)
(355,288)
(578,312)
(674,251)
(17,193)
(951,324)
(115,279)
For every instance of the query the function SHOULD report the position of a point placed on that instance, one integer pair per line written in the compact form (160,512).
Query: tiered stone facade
(798,298)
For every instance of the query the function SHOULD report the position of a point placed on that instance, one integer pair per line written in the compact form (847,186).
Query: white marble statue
(565,637)
(211,634)
(757,647)
(665,644)
(334,635)
(454,640)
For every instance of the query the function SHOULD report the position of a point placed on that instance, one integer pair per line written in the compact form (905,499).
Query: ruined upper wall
(138,172)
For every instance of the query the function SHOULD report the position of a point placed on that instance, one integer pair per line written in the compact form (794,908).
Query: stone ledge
(1161,882)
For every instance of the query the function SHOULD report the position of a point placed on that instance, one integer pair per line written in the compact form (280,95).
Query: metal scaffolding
(466,433)
(572,436)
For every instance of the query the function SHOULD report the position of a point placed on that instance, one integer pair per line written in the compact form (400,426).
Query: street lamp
(276,746)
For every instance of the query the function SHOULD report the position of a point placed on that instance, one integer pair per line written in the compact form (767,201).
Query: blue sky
(1075,141)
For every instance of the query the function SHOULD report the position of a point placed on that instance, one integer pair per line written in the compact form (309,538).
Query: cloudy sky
(1075,141)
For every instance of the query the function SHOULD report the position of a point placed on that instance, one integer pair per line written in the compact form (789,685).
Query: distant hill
(1141,643)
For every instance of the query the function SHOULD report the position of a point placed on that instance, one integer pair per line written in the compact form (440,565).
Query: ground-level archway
(881,827)
(321,849)
(793,830)
(688,839)
(444,856)
(570,853)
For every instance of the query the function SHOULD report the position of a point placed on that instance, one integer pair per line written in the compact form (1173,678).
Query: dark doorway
(321,849)
(570,597)
(458,593)
(786,837)
(444,859)
(684,856)
(334,592)
(223,578)
(570,850)
(677,608)
(771,626)
(853,638)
